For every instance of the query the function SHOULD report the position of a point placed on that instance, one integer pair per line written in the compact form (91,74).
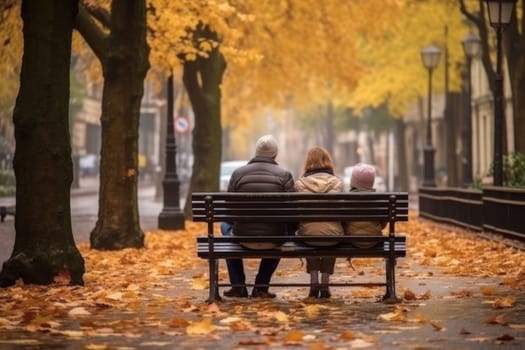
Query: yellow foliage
(395,72)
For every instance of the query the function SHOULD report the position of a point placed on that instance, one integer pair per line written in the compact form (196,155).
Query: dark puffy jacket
(261,174)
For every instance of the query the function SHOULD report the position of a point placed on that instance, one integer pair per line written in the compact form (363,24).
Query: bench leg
(214,281)
(390,268)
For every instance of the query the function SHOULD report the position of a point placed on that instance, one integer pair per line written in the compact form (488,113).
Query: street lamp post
(171,217)
(472,48)
(430,56)
(500,12)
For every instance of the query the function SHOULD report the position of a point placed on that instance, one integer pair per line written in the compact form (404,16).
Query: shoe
(325,293)
(257,293)
(314,292)
(236,292)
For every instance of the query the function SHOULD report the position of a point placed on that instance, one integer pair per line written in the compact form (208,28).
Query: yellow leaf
(312,310)
(115,296)
(200,283)
(505,302)
(72,334)
(360,343)
(78,311)
(397,315)
(96,346)
(203,327)
(281,316)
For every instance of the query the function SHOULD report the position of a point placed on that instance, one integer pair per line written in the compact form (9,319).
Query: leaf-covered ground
(458,290)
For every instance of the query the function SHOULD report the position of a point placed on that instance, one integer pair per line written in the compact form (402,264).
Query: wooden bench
(213,207)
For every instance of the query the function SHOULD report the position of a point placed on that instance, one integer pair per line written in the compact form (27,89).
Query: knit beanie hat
(363,176)
(266,146)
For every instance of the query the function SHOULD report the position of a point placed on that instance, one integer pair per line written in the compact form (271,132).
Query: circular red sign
(182,125)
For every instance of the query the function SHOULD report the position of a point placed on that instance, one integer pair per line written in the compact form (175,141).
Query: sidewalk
(459,291)
(88,186)
(84,212)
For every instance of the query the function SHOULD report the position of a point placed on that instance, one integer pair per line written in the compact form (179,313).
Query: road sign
(182,125)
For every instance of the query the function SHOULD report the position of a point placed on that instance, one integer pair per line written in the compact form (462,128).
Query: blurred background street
(84,211)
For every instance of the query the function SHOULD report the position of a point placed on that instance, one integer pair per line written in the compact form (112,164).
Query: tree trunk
(202,79)
(402,167)
(515,48)
(329,127)
(125,65)
(44,245)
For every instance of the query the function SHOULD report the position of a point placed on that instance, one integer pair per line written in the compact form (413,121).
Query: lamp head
(430,56)
(471,45)
(500,12)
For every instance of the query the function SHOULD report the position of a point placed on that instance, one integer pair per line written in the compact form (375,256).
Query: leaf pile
(155,297)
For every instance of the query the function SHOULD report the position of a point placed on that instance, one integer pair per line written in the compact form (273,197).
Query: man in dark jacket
(261,174)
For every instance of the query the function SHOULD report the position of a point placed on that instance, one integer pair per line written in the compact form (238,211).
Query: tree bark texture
(44,245)
(402,163)
(202,79)
(125,64)
(514,40)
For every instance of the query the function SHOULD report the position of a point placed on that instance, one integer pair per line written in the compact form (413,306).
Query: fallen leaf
(241,325)
(497,319)
(436,326)
(200,283)
(398,315)
(78,311)
(281,316)
(505,337)
(505,302)
(63,277)
(177,322)
(488,291)
(517,325)
(96,346)
(347,335)
(463,331)
(409,295)
(293,336)
(203,327)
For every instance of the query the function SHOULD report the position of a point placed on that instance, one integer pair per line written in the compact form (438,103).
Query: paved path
(456,314)
(84,210)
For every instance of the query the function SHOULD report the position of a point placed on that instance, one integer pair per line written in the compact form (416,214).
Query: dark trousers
(266,269)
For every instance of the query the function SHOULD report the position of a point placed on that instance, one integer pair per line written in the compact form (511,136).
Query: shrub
(514,170)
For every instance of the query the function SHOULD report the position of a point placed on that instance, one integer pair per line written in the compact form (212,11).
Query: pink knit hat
(363,176)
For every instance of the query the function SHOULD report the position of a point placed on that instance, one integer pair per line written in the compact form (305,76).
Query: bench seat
(225,247)
(293,208)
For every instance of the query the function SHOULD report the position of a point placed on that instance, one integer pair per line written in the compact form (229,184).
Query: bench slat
(295,250)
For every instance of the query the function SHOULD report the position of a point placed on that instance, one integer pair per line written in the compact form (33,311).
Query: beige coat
(320,182)
(364,228)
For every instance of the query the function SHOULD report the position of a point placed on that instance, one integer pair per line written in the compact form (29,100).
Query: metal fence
(495,209)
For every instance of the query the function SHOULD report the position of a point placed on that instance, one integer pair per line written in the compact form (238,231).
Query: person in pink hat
(362,180)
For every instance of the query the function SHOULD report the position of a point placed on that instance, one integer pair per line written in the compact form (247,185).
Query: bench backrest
(293,207)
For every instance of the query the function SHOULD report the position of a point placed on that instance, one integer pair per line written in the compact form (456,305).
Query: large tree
(118,39)
(514,48)
(44,245)
(202,78)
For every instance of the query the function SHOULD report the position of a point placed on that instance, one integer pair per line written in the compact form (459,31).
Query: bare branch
(91,32)
(99,13)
